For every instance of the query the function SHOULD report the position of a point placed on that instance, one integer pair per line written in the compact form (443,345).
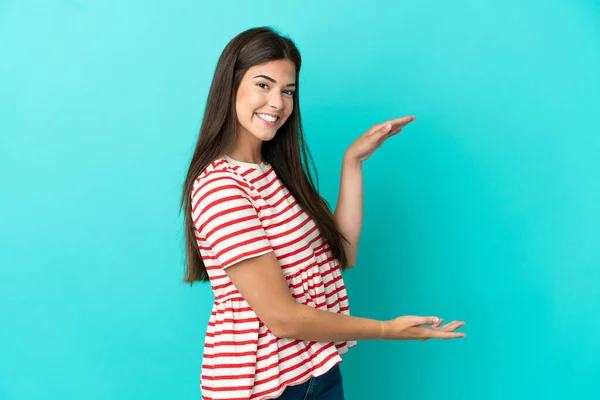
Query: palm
(366,144)
(449,327)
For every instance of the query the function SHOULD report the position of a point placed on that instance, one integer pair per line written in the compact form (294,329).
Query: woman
(259,231)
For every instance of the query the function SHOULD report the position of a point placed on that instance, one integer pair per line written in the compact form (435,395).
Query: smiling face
(265,99)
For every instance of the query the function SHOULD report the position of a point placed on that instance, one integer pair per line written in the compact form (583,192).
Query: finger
(425,320)
(452,326)
(447,335)
(437,324)
(394,132)
(380,137)
(380,130)
(395,123)
(398,124)
(426,333)
(402,121)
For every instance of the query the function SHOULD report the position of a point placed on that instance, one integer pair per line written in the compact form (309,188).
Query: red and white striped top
(242,210)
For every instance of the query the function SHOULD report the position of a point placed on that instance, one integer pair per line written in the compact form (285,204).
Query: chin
(265,134)
(264,138)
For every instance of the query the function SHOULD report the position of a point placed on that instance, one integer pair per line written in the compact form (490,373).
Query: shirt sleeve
(226,219)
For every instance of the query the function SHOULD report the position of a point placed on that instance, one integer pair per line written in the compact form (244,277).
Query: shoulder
(221,195)
(217,184)
(218,176)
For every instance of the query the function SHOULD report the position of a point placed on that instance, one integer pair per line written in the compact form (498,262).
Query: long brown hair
(287,152)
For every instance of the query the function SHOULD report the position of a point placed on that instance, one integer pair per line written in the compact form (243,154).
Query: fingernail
(436,320)
(388,126)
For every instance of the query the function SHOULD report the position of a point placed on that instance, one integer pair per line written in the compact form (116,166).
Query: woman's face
(265,98)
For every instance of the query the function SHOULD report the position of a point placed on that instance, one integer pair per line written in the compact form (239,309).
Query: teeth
(267,117)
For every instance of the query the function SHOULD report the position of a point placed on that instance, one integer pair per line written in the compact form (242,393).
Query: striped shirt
(242,210)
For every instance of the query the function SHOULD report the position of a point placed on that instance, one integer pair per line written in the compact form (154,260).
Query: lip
(268,123)
(269,114)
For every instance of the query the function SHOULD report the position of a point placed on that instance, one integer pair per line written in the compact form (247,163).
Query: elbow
(283,324)
(351,262)
(282,331)
(351,256)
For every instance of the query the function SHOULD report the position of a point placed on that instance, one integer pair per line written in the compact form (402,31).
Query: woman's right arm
(261,282)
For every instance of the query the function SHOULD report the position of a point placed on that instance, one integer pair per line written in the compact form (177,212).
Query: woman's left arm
(349,209)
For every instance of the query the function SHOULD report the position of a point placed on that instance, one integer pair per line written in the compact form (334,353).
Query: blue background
(485,209)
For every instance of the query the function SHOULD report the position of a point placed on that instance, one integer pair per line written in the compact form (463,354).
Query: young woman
(259,231)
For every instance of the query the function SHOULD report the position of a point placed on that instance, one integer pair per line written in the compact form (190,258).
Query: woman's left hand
(366,144)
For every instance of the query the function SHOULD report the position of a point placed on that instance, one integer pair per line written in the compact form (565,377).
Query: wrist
(382,330)
(351,161)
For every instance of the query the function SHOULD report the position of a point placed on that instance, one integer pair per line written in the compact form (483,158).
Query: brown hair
(287,152)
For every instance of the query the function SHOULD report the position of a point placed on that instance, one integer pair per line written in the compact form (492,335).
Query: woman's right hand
(411,327)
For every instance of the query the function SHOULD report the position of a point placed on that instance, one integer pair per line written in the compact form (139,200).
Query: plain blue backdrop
(485,209)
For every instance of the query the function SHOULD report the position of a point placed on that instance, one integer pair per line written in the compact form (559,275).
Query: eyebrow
(273,80)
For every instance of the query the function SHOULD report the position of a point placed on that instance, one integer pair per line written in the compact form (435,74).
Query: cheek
(254,101)
(289,108)
(247,101)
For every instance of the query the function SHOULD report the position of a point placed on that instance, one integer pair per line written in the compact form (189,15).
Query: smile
(267,120)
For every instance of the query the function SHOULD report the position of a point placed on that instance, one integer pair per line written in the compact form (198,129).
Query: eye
(289,92)
(261,85)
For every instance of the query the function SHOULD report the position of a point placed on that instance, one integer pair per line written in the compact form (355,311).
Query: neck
(246,148)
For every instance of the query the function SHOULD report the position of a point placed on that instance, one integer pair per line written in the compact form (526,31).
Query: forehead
(280,70)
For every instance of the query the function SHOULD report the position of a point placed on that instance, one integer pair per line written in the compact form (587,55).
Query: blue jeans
(328,386)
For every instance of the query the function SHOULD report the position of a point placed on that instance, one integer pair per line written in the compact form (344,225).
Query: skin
(261,95)
(260,279)
(349,209)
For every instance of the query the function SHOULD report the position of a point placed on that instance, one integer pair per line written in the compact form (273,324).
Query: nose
(275,101)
